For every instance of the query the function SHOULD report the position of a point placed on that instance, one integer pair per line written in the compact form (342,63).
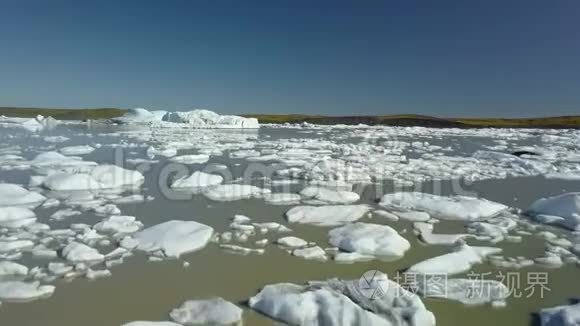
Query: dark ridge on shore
(386,120)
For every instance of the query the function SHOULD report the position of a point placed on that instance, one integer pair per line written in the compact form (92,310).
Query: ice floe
(15,195)
(215,311)
(459,261)
(197,180)
(232,192)
(16,291)
(449,208)
(328,196)
(562,210)
(329,215)
(369,239)
(174,238)
(16,217)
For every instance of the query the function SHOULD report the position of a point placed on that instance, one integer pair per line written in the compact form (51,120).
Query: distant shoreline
(560,122)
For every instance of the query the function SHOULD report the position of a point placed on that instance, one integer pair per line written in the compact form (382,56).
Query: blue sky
(445,58)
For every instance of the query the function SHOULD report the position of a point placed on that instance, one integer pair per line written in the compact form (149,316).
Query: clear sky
(444,57)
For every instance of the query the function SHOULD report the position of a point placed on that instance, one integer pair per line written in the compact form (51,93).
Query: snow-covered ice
(562,210)
(459,261)
(232,192)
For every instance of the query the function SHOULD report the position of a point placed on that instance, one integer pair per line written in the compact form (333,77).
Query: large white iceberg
(369,239)
(202,119)
(449,208)
(342,303)
(174,238)
(562,210)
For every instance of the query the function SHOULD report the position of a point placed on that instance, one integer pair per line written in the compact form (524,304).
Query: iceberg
(459,208)
(16,217)
(341,303)
(208,119)
(562,210)
(328,196)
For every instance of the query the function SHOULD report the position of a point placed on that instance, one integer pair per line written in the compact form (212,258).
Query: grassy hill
(387,120)
(63,114)
(427,121)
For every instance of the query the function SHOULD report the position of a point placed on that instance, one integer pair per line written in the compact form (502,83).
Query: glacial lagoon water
(140,289)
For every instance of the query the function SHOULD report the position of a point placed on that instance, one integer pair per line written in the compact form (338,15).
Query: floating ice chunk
(337,302)
(23,291)
(459,261)
(198,180)
(119,225)
(7,246)
(272,226)
(15,195)
(16,217)
(351,257)
(369,239)
(242,250)
(151,323)
(282,199)
(165,152)
(174,237)
(77,150)
(241,219)
(568,315)
(190,159)
(231,192)
(64,213)
(215,311)
(426,234)
(55,139)
(312,253)
(562,210)
(413,216)
(386,215)
(326,215)
(69,182)
(448,208)
(12,268)
(130,199)
(112,176)
(329,196)
(59,269)
(96,274)
(76,252)
(292,242)
(55,160)
(466,291)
